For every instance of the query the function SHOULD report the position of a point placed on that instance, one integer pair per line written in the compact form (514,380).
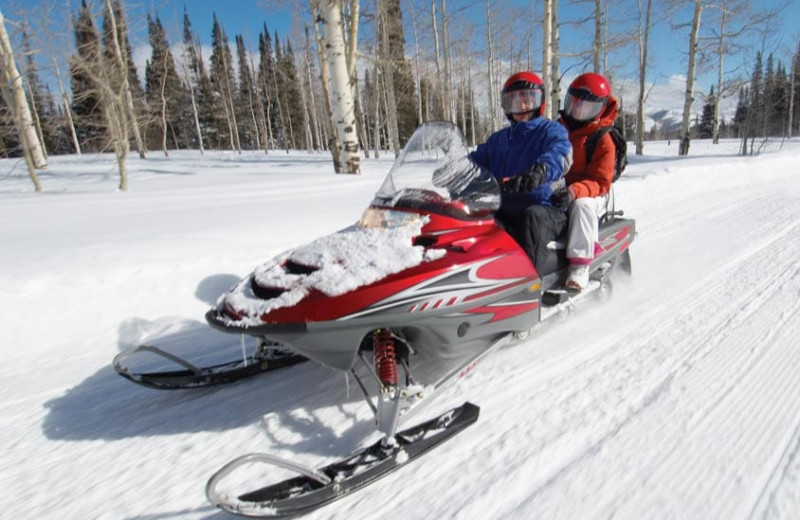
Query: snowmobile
(406,301)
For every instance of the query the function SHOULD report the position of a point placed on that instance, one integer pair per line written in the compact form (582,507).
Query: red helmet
(523,92)
(586,98)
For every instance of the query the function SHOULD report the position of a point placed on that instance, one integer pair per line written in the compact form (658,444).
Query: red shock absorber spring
(385,357)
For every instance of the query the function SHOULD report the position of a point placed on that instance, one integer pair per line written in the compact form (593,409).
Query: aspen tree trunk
(791,97)
(388,78)
(690,77)
(116,115)
(262,123)
(391,129)
(471,103)
(448,68)
(164,108)
(333,141)
(362,121)
(463,110)
(118,125)
(67,107)
(597,49)
(268,116)
(18,102)
(377,126)
(352,40)
(547,51)
(306,118)
(5,91)
(230,125)
(314,118)
(257,108)
(723,20)
(126,88)
(281,118)
(555,75)
(417,79)
(37,122)
(341,97)
(195,115)
(644,36)
(230,108)
(352,59)
(493,101)
(437,55)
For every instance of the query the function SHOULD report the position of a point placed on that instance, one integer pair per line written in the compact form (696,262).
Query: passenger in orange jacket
(588,106)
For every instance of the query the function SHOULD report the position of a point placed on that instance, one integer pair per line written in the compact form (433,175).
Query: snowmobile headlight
(377,218)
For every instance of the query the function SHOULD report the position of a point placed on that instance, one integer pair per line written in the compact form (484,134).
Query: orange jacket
(593,179)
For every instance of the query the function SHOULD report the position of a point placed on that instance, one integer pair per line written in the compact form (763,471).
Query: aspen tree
(121,59)
(683,148)
(643,42)
(342,103)
(19,103)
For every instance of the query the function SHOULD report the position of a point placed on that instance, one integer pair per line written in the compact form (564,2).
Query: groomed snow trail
(678,399)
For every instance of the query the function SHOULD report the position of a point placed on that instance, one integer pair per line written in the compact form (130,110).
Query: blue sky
(247,17)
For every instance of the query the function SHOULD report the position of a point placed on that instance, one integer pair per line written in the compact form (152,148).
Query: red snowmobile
(407,300)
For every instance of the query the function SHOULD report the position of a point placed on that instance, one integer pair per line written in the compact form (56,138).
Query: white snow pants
(583,217)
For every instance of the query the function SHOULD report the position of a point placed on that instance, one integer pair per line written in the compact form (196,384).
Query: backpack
(621,158)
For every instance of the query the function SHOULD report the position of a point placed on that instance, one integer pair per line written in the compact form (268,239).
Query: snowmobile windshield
(433,170)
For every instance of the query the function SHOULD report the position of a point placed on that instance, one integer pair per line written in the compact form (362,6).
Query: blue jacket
(514,149)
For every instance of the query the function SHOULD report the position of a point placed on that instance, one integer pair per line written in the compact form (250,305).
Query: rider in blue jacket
(530,159)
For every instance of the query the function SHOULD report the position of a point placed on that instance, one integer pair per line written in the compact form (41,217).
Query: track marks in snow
(697,376)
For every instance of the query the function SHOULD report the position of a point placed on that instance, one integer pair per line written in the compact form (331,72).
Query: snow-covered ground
(678,399)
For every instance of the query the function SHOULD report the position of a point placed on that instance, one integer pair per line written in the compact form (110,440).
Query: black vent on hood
(265,293)
(292,267)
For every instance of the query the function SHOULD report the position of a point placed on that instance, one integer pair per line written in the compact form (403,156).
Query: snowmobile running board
(199,377)
(315,488)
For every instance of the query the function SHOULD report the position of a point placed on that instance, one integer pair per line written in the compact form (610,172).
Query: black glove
(562,198)
(527,181)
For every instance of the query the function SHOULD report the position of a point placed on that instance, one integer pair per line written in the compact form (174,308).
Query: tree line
(332,88)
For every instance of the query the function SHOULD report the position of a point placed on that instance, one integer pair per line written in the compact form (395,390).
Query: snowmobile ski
(315,488)
(198,377)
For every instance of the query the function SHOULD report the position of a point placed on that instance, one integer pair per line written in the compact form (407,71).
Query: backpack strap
(593,139)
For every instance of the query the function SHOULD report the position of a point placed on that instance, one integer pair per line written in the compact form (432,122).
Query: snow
(341,262)
(677,399)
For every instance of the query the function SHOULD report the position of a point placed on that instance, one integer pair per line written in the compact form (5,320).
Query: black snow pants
(533,229)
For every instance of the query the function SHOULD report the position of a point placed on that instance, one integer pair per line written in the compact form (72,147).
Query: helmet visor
(521,101)
(583,106)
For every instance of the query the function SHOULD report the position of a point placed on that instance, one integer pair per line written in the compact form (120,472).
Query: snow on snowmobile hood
(341,262)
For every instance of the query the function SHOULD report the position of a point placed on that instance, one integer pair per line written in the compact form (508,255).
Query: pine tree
(125,83)
(224,84)
(122,35)
(164,92)
(245,102)
(41,110)
(767,106)
(795,100)
(85,99)
(403,78)
(780,102)
(200,84)
(283,130)
(706,127)
(740,116)
(265,80)
(754,106)
(291,99)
